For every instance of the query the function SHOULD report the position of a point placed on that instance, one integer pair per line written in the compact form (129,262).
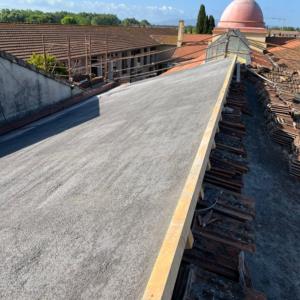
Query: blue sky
(164,10)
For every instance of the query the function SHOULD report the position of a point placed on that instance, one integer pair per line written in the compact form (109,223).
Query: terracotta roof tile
(22,40)
(166,39)
(288,54)
(192,53)
(260,60)
(189,52)
(187,65)
(193,38)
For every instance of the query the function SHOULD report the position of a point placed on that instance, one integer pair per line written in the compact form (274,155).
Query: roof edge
(164,274)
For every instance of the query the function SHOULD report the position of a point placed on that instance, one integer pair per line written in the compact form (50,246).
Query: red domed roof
(241,14)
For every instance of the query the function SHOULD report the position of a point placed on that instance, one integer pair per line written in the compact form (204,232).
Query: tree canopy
(201,20)
(130,22)
(205,23)
(68,20)
(49,65)
(144,23)
(63,17)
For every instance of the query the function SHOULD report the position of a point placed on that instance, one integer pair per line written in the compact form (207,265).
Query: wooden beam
(164,273)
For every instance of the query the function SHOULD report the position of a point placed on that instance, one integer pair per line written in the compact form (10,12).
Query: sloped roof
(193,46)
(187,39)
(197,38)
(288,54)
(22,40)
(260,60)
(97,190)
(192,52)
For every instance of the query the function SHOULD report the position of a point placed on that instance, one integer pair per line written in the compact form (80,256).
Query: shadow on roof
(49,126)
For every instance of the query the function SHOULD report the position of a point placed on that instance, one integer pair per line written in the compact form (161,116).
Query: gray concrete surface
(86,196)
(24,91)
(275,265)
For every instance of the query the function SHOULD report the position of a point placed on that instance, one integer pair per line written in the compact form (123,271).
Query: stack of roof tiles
(285,79)
(22,40)
(282,108)
(282,113)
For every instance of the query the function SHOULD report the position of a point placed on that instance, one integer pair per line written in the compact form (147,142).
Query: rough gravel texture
(86,195)
(275,266)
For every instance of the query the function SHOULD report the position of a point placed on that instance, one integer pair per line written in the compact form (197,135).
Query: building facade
(108,52)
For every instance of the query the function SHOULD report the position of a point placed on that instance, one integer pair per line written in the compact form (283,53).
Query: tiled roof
(166,39)
(288,54)
(189,52)
(192,52)
(283,52)
(187,65)
(193,46)
(187,39)
(197,38)
(22,40)
(260,60)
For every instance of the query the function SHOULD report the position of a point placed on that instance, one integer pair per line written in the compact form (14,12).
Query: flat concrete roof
(88,194)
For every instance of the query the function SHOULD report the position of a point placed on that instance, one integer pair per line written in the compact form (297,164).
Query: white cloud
(165,9)
(41,4)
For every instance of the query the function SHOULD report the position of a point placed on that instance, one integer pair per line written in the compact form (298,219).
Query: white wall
(24,91)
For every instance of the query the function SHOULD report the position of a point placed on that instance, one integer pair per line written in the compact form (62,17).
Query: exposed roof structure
(22,40)
(88,195)
(241,14)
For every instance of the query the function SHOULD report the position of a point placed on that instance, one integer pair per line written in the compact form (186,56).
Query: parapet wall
(25,91)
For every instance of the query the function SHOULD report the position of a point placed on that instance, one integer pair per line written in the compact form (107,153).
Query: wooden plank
(164,273)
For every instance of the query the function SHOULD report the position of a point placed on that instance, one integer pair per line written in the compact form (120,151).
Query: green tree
(64,17)
(81,20)
(37,18)
(211,24)
(130,22)
(189,29)
(206,25)
(201,21)
(145,23)
(50,65)
(104,19)
(68,20)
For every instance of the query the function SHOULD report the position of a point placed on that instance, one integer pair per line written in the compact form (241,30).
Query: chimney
(180,33)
